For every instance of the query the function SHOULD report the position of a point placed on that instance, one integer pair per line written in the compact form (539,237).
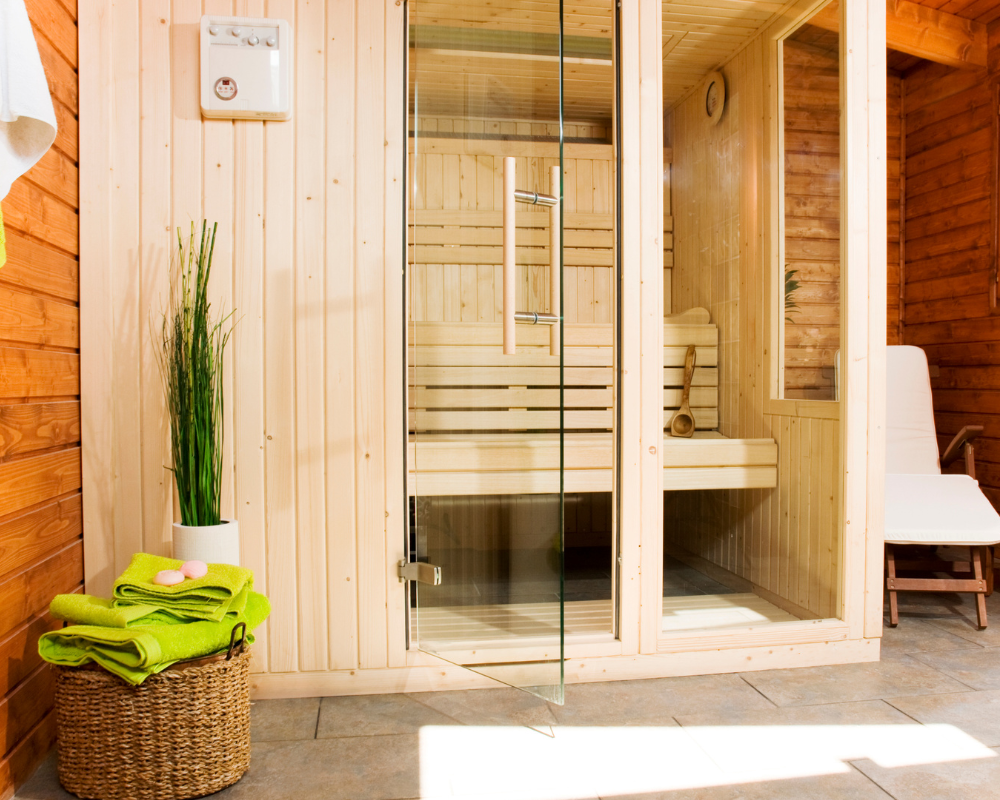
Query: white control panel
(246,68)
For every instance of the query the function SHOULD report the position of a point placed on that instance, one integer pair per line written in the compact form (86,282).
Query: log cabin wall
(894,186)
(785,541)
(950,251)
(41,551)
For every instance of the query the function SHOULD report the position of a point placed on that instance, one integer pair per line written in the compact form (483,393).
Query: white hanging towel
(27,119)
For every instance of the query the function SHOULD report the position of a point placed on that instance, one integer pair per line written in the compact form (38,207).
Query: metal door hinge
(419,572)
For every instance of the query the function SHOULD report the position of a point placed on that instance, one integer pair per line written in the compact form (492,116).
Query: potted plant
(193,343)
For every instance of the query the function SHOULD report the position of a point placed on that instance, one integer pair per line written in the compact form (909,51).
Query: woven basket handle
(241,644)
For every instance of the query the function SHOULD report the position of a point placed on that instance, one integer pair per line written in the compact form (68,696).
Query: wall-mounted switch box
(246,68)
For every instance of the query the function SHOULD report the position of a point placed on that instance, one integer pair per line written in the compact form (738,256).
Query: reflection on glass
(812,188)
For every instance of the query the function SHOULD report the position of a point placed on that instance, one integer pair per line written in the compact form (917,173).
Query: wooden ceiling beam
(924,32)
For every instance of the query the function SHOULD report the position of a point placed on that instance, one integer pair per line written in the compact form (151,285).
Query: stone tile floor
(922,724)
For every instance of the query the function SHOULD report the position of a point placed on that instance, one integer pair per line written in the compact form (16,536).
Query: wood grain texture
(26,538)
(950,250)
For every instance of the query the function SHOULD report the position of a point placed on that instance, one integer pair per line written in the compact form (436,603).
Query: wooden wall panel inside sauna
(449,283)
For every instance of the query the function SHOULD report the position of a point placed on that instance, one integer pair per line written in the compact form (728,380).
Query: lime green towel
(85,609)
(135,653)
(207,598)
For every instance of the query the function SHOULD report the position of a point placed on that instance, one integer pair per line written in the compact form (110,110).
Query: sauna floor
(921,724)
(447,627)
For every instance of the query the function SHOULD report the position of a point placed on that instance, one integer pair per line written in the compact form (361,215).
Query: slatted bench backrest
(461,382)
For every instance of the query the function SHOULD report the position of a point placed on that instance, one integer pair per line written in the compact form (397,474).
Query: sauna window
(810,202)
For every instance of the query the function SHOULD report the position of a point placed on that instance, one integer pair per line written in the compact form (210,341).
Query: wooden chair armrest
(957,446)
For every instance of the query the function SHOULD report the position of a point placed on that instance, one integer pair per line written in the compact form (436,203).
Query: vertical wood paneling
(155,252)
(369,242)
(310,282)
(279,375)
(126,285)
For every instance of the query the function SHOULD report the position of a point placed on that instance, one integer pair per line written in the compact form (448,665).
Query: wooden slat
(60,74)
(38,373)
(573,221)
(25,428)
(19,649)
(26,705)
(54,21)
(28,593)
(57,175)
(27,538)
(30,319)
(32,265)
(33,480)
(18,765)
(30,210)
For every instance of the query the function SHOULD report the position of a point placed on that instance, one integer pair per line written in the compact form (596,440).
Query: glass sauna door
(484,337)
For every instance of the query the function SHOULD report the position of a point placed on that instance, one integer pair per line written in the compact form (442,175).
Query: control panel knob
(214,30)
(253,41)
(271,41)
(236,31)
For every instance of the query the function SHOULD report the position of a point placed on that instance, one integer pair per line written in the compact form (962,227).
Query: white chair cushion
(938,509)
(910,438)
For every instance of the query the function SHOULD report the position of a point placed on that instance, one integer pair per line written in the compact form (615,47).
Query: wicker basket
(183,733)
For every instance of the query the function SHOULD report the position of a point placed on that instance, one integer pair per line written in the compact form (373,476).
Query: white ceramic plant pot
(213,544)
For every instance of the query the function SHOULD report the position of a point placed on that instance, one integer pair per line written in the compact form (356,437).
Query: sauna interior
(751,535)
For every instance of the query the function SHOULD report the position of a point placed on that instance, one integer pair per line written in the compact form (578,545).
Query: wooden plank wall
(446,179)
(310,255)
(811,68)
(950,251)
(785,541)
(894,186)
(41,551)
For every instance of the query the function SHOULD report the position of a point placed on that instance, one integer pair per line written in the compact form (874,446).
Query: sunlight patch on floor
(512,762)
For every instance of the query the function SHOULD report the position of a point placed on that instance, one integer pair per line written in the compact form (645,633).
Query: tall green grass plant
(193,342)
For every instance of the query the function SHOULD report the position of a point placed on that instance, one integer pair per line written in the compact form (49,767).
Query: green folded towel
(208,597)
(84,609)
(139,651)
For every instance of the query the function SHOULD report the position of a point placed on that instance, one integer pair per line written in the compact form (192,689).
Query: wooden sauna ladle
(682,422)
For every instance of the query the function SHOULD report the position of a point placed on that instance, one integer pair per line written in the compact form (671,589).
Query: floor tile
(375,715)
(363,768)
(944,780)
(978,669)
(490,707)
(279,720)
(919,636)
(849,785)
(654,702)
(867,712)
(976,713)
(851,682)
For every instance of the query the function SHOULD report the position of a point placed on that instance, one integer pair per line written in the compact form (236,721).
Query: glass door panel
(485,337)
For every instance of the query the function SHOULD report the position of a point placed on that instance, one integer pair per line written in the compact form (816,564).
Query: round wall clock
(715,97)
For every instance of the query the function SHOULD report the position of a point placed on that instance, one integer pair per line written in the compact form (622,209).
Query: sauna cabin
(497,249)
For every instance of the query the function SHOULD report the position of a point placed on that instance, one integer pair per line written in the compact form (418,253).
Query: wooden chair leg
(988,566)
(977,570)
(890,563)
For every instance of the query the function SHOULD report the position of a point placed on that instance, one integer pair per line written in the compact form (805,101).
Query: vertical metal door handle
(555,231)
(509,268)
(511,196)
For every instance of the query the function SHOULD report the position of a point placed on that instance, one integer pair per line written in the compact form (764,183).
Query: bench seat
(482,423)
(529,463)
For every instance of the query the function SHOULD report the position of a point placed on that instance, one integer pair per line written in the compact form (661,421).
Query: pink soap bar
(168,577)
(194,569)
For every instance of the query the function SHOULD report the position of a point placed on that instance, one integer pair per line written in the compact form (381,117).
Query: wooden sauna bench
(485,423)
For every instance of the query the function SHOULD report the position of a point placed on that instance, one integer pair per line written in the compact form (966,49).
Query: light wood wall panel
(786,541)
(41,550)
(448,283)
(305,259)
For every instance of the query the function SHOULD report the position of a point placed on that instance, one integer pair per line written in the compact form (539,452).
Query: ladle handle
(689,360)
